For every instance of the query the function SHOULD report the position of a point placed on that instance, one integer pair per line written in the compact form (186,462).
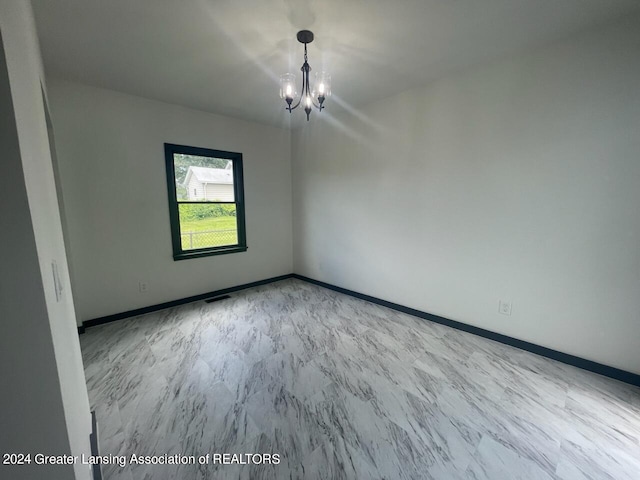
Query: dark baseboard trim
(217,299)
(174,303)
(93,440)
(607,371)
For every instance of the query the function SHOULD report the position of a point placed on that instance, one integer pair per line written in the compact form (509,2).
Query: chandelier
(308,97)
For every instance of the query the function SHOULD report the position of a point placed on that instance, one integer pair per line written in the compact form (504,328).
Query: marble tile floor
(345,389)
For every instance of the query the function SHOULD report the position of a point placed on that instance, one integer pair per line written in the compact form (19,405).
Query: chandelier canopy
(308,97)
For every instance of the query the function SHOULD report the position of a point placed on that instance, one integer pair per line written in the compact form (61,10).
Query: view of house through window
(205,201)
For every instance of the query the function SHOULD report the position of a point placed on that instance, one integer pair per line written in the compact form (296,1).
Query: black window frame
(174,213)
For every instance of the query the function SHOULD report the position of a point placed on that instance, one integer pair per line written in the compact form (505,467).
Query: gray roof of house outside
(211,175)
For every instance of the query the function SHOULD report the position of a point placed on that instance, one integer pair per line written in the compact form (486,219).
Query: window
(206,201)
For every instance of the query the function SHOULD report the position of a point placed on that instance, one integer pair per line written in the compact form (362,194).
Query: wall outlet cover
(504,307)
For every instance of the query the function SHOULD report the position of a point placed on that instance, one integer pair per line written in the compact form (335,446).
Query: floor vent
(217,299)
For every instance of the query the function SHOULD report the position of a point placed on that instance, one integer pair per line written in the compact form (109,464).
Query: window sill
(208,253)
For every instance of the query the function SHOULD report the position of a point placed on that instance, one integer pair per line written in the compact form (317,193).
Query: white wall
(195,189)
(44,407)
(219,192)
(111,157)
(518,180)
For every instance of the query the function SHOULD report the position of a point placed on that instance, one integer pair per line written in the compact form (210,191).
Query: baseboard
(174,303)
(607,371)
(217,299)
(599,368)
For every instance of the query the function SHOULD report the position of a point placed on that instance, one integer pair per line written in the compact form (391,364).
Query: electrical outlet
(504,307)
(144,287)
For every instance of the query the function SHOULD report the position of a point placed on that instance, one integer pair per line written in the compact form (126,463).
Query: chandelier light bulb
(288,87)
(322,86)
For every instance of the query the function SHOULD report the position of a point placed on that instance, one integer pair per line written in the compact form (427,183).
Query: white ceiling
(226,56)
